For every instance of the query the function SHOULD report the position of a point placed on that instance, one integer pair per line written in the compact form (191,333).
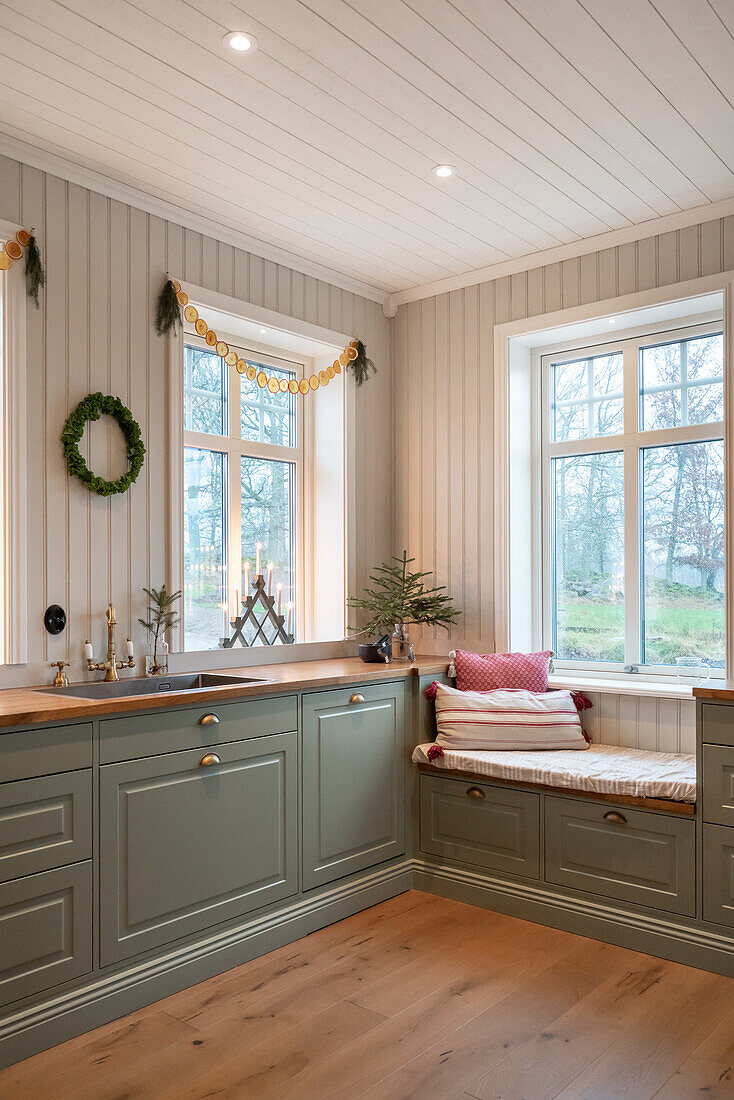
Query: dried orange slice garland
(13,248)
(264,381)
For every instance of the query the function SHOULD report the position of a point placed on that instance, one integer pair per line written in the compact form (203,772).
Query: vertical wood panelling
(641,722)
(105,264)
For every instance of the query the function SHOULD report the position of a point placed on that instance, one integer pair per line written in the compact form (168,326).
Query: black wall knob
(54,619)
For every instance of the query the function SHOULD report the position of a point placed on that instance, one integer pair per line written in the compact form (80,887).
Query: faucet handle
(60,679)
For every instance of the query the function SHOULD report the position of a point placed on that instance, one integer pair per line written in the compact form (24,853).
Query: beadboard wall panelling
(442,360)
(641,722)
(105,264)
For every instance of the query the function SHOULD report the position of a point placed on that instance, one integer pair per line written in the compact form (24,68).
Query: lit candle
(235,610)
(270,578)
(290,617)
(258,561)
(279,607)
(246,589)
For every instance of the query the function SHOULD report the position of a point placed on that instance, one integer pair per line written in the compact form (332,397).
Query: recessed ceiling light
(612,320)
(238,40)
(443,171)
(263,330)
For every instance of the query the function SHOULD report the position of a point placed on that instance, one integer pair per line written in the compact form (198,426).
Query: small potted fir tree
(162,617)
(399,598)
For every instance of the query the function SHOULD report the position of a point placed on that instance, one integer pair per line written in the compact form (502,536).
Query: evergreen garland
(35,276)
(169,311)
(361,367)
(91,408)
(400,596)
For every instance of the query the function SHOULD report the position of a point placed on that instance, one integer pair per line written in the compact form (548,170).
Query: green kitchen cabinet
(354,761)
(192,838)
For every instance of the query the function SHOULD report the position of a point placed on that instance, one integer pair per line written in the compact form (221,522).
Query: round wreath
(91,408)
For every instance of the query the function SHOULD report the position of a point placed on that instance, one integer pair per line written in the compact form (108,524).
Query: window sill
(611,686)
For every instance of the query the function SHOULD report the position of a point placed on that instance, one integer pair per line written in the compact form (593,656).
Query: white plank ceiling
(563,118)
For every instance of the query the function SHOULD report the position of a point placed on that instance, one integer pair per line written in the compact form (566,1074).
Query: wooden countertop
(721,689)
(28,706)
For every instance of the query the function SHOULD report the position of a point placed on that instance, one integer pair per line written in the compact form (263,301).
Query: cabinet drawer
(717,723)
(27,753)
(493,827)
(645,858)
(718,874)
(45,930)
(170,730)
(45,823)
(185,845)
(718,784)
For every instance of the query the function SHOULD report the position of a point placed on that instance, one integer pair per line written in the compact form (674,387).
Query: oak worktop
(30,706)
(722,690)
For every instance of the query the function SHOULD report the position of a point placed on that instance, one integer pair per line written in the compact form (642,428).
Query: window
(633,501)
(242,477)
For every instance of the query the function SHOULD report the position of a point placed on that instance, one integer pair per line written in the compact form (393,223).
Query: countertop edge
(30,706)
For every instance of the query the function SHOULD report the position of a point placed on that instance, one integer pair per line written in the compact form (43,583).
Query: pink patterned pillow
(488,672)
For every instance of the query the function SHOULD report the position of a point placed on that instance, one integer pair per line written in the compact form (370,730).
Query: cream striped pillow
(508,718)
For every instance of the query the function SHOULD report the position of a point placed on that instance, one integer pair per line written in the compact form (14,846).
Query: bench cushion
(604,769)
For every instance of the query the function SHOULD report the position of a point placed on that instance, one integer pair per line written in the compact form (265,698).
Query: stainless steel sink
(152,685)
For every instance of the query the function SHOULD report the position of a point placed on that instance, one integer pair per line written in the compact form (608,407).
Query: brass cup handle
(209,760)
(615,818)
(209,720)
(475,792)
(358,697)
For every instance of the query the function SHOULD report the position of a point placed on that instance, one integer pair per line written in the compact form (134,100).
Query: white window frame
(13,472)
(234,447)
(511,568)
(630,442)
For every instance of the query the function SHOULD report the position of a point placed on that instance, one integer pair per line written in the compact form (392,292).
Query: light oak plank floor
(418,997)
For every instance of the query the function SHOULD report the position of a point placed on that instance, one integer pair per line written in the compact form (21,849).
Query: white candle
(279,607)
(290,616)
(164,646)
(270,578)
(130,648)
(246,589)
(88,651)
(258,561)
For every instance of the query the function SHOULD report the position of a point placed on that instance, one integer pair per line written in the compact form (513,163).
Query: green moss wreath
(91,408)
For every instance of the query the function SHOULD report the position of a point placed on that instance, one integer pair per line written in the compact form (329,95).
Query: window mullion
(632,555)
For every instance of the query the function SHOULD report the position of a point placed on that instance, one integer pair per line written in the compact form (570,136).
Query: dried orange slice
(262,379)
(330,370)
(240,366)
(283,385)
(273,385)
(304,386)
(4,261)
(323,378)
(176,285)
(352,353)
(222,348)
(201,327)
(13,250)
(337,367)
(23,237)
(211,337)
(231,358)
(251,373)
(344,359)
(293,385)
(314,381)
(182,297)
(191,314)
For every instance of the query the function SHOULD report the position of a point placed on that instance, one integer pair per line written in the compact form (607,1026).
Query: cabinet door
(45,823)
(45,930)
(186,843)
(718,874)
(353,780)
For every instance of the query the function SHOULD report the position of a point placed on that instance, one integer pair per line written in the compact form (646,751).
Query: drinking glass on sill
(692,671)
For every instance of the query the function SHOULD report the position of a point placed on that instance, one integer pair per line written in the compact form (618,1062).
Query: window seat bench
(632,777)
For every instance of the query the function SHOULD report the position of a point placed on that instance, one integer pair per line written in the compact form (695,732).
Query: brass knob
(208,760)
(209,720)
(358,697)
(475,792)
(615,818)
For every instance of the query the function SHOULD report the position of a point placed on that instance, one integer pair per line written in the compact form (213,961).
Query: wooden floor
(417,997)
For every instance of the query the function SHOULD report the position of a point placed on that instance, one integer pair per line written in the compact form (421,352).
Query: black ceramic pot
(372,652)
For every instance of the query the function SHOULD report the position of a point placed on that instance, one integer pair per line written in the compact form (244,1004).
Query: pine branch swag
(12,250)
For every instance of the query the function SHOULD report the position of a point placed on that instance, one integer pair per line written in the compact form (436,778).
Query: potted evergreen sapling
(400,598)
(162,617)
